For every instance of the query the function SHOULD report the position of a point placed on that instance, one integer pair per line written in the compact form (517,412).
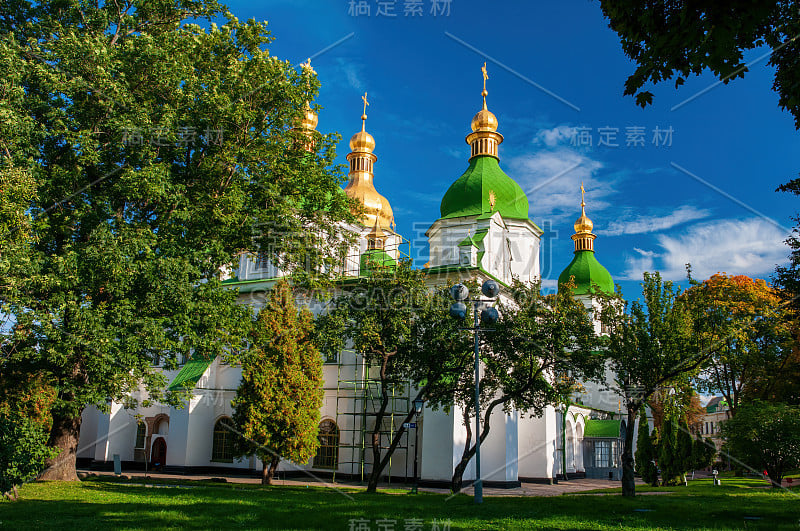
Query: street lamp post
(418,405)
(490,289)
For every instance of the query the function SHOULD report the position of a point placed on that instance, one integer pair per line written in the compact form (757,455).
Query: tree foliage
(645,452)
(747,331)
(764,436)
(703,452)
(539,351)
(278,402)
(23,451)
(159,150)
(650,346)
(682,38)
(678,400)
(402,330)
(684,450)
(668,456)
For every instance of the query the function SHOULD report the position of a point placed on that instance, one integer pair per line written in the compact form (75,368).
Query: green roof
(190,373)
(469,195)
(587,272)
(375,258)
(602,428)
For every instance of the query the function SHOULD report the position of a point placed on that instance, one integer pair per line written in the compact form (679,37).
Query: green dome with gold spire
(484,188)
(587,274)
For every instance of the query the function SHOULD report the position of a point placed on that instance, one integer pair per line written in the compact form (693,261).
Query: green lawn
(99,504)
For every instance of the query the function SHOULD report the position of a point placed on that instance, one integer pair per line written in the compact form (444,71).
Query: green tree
(684,450)
(401,328)
(542,347)
(23,451)
(277,405)
(645,453)
(159,150)
(668,458)
(649,346)
(744,326)
(16,191)
(765,436)
(703,452)
(682,38)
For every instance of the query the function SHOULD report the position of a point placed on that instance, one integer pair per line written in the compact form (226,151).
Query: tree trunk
(775,476)
(375,474)
(64,436)
(397,436)
(457,483)
(372,484)
(269,470)
(628,480)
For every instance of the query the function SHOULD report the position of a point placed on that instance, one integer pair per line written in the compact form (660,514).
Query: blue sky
(708,198)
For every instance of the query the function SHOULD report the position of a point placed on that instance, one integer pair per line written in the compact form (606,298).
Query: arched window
(328,451)
(222,443)
(141,434)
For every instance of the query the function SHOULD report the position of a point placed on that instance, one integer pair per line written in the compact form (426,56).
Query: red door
(159,454)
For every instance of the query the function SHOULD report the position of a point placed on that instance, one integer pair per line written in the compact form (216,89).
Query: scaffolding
(358,399)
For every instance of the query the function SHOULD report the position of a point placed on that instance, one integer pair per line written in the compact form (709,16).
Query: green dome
(375,259)
(587,272)
(469,195)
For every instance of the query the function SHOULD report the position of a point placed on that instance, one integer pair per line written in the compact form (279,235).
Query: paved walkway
(527,489)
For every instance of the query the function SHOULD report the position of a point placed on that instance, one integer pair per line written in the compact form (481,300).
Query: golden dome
(376,207)
(583,237)
(377,210)
(310,118)
(362,142)
(583,223)
(484,121)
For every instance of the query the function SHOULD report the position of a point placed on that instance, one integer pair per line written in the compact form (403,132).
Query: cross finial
(364,116)
(583,191)
(485,77)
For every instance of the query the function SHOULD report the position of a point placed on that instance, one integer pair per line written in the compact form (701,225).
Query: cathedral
(484,232)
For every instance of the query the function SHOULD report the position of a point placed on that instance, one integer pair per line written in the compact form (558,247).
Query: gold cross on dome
(485,75)
(364,116)
(582,192)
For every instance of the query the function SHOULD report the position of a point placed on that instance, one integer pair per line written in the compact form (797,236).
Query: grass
(104,504)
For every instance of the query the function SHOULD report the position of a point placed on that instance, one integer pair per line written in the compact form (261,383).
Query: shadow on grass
(105,505)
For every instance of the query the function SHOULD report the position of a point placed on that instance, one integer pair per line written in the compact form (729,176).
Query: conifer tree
(667,453)
(655,443)
(645,453)
(279,398)
(683,451)
(703,452)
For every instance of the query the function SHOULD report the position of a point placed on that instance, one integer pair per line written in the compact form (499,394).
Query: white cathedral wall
(537,445)
(499,450)
(87,445)
(116,434)
(442,442)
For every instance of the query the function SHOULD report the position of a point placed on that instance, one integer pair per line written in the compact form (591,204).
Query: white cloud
(653,222)
(553,136)
(751,246)
(352,72)
(552,178)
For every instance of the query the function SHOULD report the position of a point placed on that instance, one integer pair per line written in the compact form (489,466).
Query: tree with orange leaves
(744,327)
